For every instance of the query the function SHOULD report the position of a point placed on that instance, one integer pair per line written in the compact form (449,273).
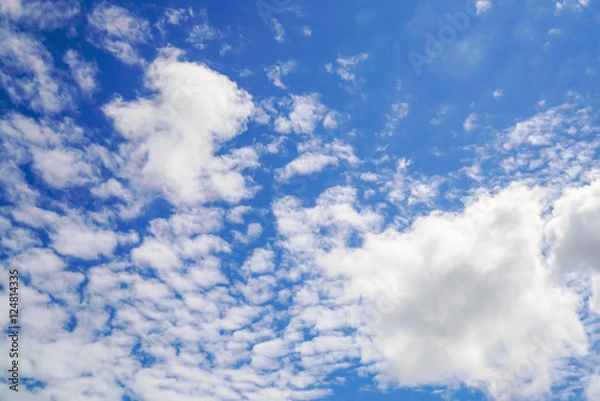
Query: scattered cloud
(83,72)
(202,33)
(28,73)
(399,111)
(469,123)
(279,70)
(278,30)
(117,31)
(346,66)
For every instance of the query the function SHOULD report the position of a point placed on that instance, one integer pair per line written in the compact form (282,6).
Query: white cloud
(346,66)
(314,157)
(399,111)
(498,93)
(482,6)
(457,296)
(236,215)
(28,73)
(370,177)
(46,15)
(279,70)
(83,72)
(571,4)
(574,228)
(307,163)
(62,167)
(306,111)
(260,262)
(81,241)
(52,148)
(595,299)
(555,147)
(306,30)
(469,123)
(226,48)
(116,31)
(112,188)
(592,392)
(174,134)
(278,29)
(202,33)
(177,16)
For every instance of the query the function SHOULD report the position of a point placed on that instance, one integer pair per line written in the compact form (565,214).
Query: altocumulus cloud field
(299,200)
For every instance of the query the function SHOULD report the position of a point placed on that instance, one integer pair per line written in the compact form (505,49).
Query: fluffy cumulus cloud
(455,296)
(173,135)
(314,156)
(574,229)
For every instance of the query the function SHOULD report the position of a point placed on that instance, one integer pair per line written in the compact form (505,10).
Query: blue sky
(285,200)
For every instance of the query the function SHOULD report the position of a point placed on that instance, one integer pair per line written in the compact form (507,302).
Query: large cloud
(456,296)
(173,135)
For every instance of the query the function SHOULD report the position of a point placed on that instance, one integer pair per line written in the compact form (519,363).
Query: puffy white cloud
(574,228)
(173,135)
(261,261)
(592,392)
(236,215)
(305,112)
(334,211)
(307,163)
(314,157)
(82,241)
(62,167)
(112,188)
(116,31)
